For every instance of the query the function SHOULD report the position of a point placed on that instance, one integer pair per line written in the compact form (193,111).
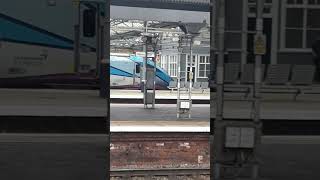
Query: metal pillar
(76,55)
(184,105)
(257,86)
(98,40)
(222,147)
(218,128)
(190,76)
(155,50)
(144,67)
(103,62)
(149,74)
(134,74)
(211,79)
(145,64)
(104,75)
(179,76)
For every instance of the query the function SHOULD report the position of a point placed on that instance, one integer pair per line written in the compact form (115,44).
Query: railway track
(161,174)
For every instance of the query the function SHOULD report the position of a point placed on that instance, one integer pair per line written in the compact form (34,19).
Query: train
(38,51)
(125,72)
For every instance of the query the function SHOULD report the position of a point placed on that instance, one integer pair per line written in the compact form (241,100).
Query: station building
(291,26)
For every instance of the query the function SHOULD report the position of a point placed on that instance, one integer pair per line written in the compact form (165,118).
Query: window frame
(283,25)
(206,63)
(172,65)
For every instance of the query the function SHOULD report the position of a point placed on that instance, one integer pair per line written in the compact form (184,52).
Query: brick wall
(158,150)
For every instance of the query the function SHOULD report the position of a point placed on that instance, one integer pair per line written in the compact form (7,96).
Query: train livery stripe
(14,30)
(119,72)
(161,74)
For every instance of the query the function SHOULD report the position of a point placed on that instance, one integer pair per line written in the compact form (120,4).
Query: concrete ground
(52,157)
(270,110)
(165,112)
(42,102)
(291,158)
(82,157)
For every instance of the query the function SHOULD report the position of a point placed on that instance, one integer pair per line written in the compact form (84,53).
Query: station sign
(260,45)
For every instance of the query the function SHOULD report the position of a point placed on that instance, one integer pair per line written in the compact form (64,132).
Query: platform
(162,96)
(54,103)
(80,111)
(52,156)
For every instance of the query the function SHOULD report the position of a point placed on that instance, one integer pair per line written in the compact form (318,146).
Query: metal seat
(173,85)
(278,74)
(302,75)
(187,85)
(231,73)
(231,79)
(196,86)
(277,80)
(247,75)
(204,86)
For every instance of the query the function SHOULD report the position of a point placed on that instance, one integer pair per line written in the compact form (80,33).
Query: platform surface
(49,102)
(87,103)
(160,94)
(52,157)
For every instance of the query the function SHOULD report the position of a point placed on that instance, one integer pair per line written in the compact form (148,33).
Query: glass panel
(252,9)
(290,1)
(313,18)
(208,59)
(312,35)
(208,67)
(293,38)
(202,67)
(201,73)
(311,1)
(251,24)
(267,10)
(294,17)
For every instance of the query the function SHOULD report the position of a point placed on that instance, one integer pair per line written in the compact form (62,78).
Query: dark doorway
(194,73)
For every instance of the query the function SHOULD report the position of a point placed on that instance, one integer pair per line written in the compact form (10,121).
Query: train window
(89,23)
(137,68)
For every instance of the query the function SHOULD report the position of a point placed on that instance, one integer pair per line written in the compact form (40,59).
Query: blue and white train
(125,73)
(36,48)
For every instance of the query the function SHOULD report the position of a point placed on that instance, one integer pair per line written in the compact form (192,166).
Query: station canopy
(127,34)
(166,18)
